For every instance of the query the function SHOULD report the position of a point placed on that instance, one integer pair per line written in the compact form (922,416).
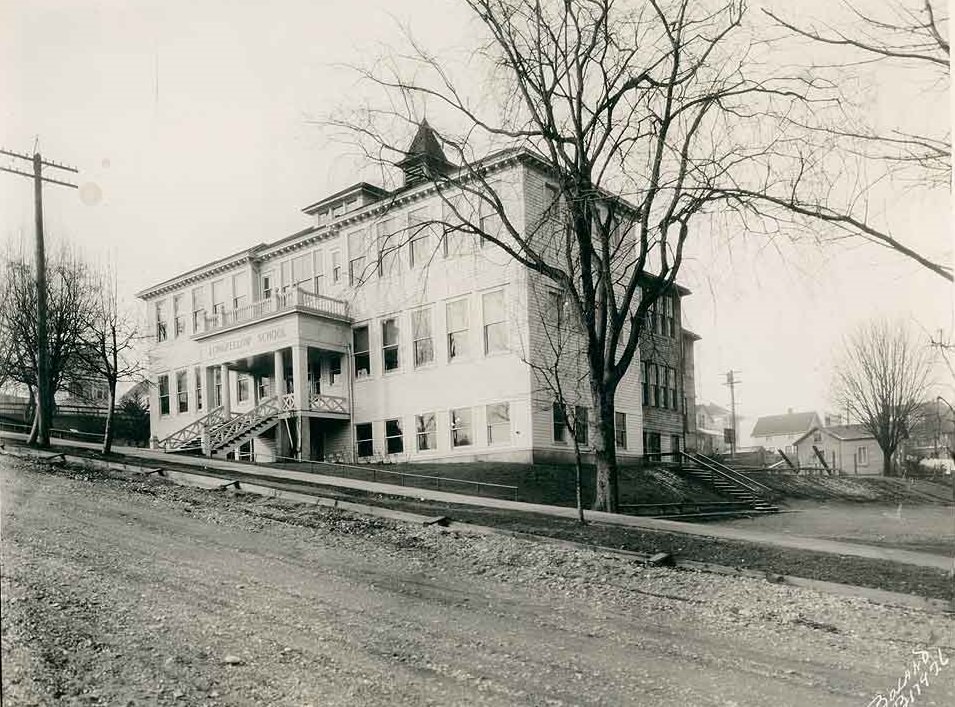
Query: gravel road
(139,592)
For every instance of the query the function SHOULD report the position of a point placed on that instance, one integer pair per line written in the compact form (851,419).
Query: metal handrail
(702,461)
(733,473)
(191,434)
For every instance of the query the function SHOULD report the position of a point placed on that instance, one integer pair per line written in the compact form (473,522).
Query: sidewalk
(922,559)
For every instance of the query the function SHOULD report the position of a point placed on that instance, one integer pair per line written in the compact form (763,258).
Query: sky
(193,126)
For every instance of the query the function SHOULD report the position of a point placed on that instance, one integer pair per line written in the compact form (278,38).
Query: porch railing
(328,403)
(238,426)
(278,302)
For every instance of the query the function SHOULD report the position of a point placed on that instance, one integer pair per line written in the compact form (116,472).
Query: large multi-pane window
(498,423)
(217,386)
(182,391)
(179,315)
(495,326)
(243,386)
(364,439)
(620,429)
(163,395)
(461,427)
(390,344)
(357,247)
(457,318)
(240,290)
(267,281)
(318,267)
(218,299)
(360,352)
(581,424)
(490,224)
(645,380)
(198,309)
(388,244)
(197,374)
(421,336)
(161,320)
(651,445)
(426,432)
(421,243)
(302,271)
(558,420)
(394,440)
(456,241)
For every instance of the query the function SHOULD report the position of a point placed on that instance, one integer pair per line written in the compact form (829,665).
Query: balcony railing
(278,302)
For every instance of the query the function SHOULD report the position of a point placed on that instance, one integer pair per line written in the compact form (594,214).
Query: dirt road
(118,592)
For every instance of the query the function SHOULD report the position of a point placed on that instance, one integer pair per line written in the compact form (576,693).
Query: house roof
(788,424)
(840,432)
(712,409)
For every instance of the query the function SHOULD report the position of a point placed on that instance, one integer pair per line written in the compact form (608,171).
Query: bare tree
(640,114)
(910,38)
(110,346)
(68,298)
(882,380)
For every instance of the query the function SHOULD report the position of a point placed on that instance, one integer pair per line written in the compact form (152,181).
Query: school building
(372,335)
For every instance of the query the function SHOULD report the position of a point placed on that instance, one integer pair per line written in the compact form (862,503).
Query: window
(198,309)
(457,314)
(674,391)
(646,383)
(163,395)
(302,271)
(161,320)
(364,439)
(265,388)
(394,442)
(268,284)
(218,299)
(655,384)
(862,456)
(817,436)
(664,386)
(240,290)
(426,432)
(498,423)
(390,336)
(388,243)
(421,336)
(455,240)
(243,388)
(217,386)
(559,423)
(318,267)
(361,352)
(182,392)
(651,446)
(334,368)
(419,235)
(620,429)
(490,224)
(676,443)
(581,424)
(461,427)
(336,266)
(178,316)
(669,320)
(197,374)
(357,247)
(495,328)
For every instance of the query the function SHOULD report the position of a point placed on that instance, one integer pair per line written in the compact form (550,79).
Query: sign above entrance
(246,342)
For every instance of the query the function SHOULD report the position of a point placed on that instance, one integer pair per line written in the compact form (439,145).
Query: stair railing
(742,478)
(190,436)
(714,470)
(239,425)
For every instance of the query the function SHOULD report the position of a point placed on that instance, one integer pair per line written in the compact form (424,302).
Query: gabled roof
(712,409)
(788,424)
(843,433)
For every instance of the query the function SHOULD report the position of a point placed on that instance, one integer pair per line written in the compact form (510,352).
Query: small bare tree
(69,297)
(110,346)
(882,380)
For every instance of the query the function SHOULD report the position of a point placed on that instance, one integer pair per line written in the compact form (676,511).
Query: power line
(732,381)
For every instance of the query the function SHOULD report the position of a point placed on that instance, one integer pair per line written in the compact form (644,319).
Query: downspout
(352,441)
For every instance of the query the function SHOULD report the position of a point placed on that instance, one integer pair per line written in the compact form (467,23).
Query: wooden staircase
(728,482)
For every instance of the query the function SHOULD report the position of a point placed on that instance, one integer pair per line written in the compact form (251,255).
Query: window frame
(620,429)
(162,332)
(391,437)
(582,424)
(197,374)
(364,353)
(504,423)
(370,440)
(457,336)
(462,420)
(558,422)
(423,430)
(164,410)
(486,327)
(422,314)
(243,382)
(394,348)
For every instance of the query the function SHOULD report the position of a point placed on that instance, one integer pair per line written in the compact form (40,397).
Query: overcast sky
(189,122)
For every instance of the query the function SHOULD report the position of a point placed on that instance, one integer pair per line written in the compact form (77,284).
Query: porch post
(300,385)
(226,391)
(278,379)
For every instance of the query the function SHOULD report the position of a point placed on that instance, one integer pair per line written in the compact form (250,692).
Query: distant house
(933,432)
(780,432)
(846,448)
(711,423)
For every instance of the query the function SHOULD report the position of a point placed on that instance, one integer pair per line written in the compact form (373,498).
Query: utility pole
(44,394)
(731,381)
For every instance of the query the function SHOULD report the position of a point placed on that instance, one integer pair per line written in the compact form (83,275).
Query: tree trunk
(44,419)
(108,432)
(605,452)
(34,427)
(886,463)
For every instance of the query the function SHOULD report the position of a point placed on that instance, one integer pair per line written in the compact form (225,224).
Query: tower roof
(424,156)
